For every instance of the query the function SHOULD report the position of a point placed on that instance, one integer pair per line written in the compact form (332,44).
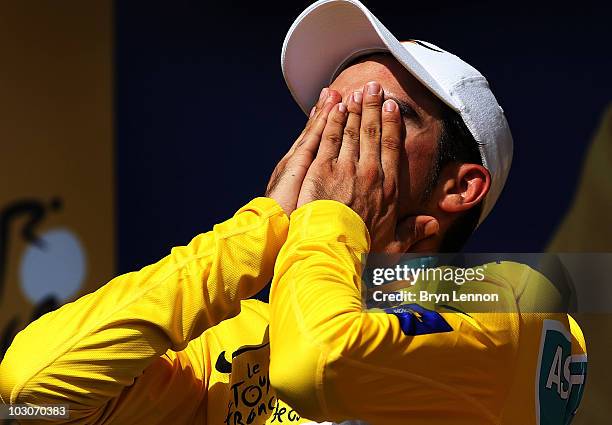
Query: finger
(390,146)
(311,118)
(349,151)
(317,107)
(309,143)
(414,229)
(321,100)
(331,140)
(369,137)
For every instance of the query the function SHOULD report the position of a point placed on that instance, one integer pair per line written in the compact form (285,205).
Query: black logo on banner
(33,212)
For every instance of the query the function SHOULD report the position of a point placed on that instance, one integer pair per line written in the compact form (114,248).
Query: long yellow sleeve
(332,360)
(89,353)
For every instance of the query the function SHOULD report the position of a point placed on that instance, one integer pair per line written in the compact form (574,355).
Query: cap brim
(331,32)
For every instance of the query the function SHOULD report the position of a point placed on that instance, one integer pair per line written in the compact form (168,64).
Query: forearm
(329,358)
(315,300)
(87,351)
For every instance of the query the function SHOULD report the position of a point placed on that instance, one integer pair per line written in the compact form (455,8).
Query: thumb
(414,229)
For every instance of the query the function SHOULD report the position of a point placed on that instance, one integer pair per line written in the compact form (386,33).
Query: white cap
(329,33)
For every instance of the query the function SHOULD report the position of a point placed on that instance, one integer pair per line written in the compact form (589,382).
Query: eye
(407,112)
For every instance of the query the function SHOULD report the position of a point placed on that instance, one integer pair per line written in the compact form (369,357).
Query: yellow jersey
(179,342)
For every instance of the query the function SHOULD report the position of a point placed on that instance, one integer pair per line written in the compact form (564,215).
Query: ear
(464,186)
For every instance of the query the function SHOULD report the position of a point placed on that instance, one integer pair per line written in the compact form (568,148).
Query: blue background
(203,114)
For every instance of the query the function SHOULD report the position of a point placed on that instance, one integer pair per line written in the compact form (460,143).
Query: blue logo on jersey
(416,320)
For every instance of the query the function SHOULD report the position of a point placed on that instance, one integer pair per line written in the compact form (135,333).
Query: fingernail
(389,105)
(431,227)
(357,97)
(373,88)
(323,94)
(342,107)
(312,111)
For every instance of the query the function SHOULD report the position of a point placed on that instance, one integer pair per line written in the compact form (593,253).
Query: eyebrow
(406,110)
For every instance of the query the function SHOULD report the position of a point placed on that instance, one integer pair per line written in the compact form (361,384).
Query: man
(388,162)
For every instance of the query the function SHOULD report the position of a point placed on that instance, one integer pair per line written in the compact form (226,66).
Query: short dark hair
(455,145)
